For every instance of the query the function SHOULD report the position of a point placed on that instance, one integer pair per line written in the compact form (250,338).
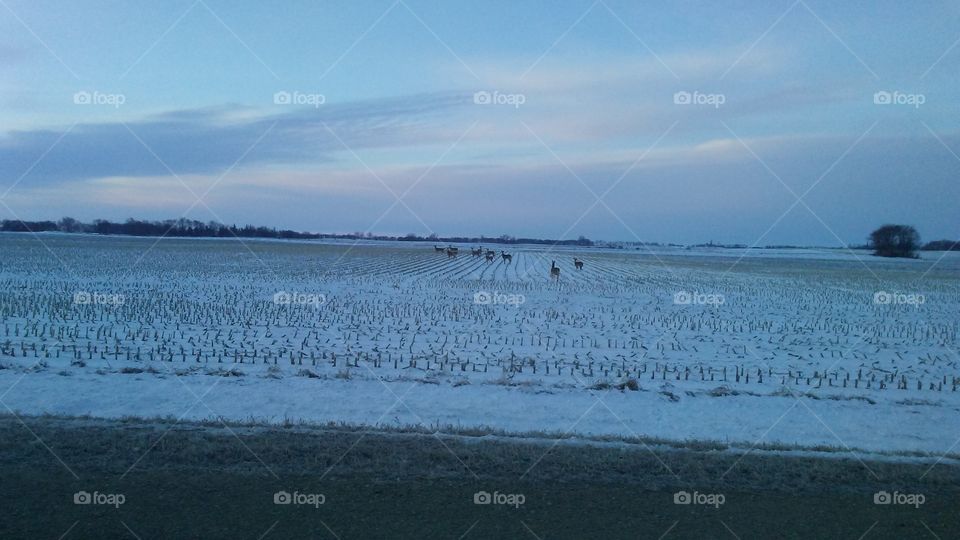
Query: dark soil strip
(199,481)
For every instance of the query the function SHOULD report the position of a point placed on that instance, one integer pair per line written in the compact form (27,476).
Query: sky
(799,122)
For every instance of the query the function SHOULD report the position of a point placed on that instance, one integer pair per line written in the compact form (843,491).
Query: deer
(490,255)
(578,263)
(554,270)
(507,258)
(477,252)
(452,252)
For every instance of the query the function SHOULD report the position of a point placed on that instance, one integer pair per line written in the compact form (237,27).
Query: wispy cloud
(717,181)
(207,140)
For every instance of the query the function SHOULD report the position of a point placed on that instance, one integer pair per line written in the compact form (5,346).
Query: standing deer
(490,255)
(477,252)
(452,252)
(507,258)
(554,270)
(578,263)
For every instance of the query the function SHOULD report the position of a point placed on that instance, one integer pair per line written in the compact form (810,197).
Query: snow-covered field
(800,347)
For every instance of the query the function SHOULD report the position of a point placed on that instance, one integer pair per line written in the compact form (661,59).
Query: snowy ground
(799,347)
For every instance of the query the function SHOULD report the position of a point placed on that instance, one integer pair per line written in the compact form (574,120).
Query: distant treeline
(135,227)
(197,229)
(942,245)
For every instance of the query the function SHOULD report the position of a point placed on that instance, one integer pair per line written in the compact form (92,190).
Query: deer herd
(490,255)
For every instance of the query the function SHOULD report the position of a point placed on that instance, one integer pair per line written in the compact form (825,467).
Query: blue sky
(164,109)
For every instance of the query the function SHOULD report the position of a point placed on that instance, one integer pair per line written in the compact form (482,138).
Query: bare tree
(895,241)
